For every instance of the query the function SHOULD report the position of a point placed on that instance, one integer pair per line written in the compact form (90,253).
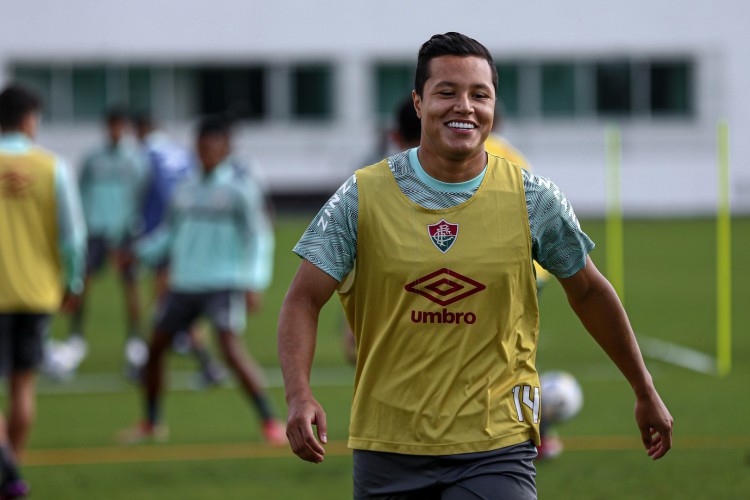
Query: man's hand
(655,424)
(71,302)
(303,414)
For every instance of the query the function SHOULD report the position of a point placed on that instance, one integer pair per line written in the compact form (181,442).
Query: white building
(316,80)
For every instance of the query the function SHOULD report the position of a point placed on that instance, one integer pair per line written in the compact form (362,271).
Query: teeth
(460,125)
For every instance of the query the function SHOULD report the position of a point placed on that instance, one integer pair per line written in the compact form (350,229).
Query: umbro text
(445,316)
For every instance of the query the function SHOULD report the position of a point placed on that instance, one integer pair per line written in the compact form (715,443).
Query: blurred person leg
(21,348)
(63,358)
(96,258)
(135,346)
(227,313)
(129,274)
(9,472)
(153,378)
(210,373)
(191,340)
(22,391)
(175,312)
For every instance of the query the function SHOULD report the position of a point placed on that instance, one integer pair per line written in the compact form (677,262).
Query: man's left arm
(597,305)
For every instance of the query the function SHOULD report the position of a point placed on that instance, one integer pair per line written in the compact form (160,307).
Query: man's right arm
(71,229)
(311,288)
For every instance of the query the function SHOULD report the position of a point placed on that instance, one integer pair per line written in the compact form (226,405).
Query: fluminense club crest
(443,234)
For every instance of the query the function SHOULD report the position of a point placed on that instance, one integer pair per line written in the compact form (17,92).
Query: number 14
(532,404)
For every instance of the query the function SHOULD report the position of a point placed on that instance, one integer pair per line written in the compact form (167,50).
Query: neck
(452,170)
(207,169)
(13,131)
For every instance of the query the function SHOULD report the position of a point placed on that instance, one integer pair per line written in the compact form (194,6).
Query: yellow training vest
(443,306)
(30,268)
(500,146)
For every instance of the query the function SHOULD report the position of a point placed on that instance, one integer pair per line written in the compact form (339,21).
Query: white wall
(668,167)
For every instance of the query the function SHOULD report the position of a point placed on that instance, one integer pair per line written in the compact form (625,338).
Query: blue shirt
(168,165)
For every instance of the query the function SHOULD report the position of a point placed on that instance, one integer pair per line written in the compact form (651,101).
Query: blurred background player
(220,256)
(498,145)
(43,239)
(111,182)
(169,164)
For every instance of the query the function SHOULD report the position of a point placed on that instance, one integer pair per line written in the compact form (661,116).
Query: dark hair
(213,125)
(143,119)
(409,124)
(16,102)
(449,44)
(116,114)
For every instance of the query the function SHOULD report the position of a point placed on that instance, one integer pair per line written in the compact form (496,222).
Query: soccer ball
(62,358)
(562,397)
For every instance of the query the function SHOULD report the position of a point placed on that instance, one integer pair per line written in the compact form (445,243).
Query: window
(635,87)
(235,90)
(613,87)
(558,82)
(89,92)
(139,83)
(394,83)
(312,92)
(508,87)
(670,88)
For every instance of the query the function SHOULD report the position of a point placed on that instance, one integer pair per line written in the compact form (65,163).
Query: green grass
(669,293)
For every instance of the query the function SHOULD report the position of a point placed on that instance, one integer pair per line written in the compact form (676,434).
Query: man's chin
(464,151)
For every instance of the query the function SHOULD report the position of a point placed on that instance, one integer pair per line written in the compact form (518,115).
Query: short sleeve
(558,242)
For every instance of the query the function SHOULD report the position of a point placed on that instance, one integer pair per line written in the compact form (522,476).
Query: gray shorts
(22,339)
(98,250)
(225,310)
(507,473)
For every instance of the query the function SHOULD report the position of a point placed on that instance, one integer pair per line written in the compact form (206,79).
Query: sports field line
(112,382)
(677,355)
(254,450)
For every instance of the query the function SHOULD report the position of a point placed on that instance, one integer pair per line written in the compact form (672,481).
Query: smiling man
(431,254)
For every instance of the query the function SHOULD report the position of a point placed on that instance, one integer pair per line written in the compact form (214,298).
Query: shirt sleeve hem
(579,265)
(311,259)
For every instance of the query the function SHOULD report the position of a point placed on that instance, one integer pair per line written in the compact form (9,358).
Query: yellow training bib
(29,259)
(443,306)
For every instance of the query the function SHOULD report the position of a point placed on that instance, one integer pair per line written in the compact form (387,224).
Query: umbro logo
(445,287)
(15,183)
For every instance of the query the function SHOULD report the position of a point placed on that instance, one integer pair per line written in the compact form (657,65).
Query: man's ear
(417,103)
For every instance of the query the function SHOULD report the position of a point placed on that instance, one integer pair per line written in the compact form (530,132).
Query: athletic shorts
(22,337)
(98,249)
(507,473)
(225,310)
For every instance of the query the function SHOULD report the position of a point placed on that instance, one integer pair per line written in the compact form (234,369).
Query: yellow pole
(613,224)
(723,255)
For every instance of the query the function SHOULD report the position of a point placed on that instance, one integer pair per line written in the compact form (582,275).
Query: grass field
(215,450)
